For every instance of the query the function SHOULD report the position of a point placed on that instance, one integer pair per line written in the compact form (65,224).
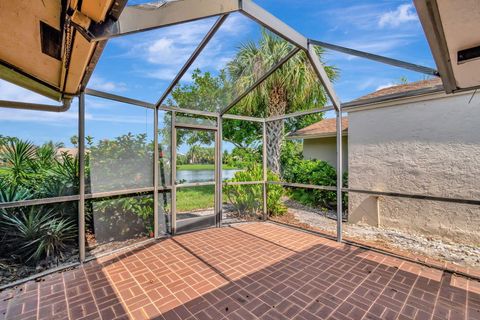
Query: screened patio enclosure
(128,189)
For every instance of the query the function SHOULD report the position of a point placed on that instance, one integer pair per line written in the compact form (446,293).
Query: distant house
(426,142)
(69,151)
(320,143)
(319,139)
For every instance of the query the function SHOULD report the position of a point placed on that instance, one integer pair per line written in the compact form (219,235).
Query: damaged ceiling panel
(42,48)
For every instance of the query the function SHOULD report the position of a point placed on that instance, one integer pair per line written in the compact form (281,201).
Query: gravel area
(439,249)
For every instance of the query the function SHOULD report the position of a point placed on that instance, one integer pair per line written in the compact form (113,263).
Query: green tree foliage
(200,155)
(295,86)
(209,93)
(119,163)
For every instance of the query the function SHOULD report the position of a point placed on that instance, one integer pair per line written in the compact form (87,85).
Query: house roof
(423,84)
(322,129)
(327,127)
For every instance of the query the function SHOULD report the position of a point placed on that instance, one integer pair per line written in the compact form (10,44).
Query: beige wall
(427,147)
(325,149)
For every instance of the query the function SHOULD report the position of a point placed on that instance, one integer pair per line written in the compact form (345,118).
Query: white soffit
(450,27)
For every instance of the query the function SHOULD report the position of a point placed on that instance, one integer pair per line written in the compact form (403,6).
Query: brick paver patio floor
(247,271)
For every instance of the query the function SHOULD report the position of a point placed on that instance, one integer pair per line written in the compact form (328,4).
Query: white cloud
(10,91)
(166,50)
(101,84)
(119,119)
(66,119)
(403,13)
(359,16)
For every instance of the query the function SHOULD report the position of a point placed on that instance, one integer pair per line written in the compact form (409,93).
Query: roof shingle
(423,84)
(325,127)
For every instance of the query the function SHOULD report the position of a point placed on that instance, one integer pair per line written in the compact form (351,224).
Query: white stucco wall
(325,149)
(425,147)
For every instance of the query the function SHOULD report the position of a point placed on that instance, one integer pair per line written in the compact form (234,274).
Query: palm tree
(291,88)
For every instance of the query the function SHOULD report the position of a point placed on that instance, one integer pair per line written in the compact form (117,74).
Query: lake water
(190,176)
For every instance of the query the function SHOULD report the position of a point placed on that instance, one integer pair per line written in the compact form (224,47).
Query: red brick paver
(248,271)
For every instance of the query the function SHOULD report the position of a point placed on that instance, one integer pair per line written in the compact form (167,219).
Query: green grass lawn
(201,167)
(195,198)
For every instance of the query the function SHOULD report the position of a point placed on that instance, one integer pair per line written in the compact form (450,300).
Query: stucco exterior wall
(325,149)
(428,147)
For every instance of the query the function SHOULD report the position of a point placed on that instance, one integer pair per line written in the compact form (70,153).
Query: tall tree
(293,87)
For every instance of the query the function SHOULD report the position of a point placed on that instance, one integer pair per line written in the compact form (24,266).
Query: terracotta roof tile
(325,127)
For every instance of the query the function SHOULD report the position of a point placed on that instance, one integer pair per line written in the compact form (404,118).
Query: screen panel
(238,55)
(242,148)
(119,146)
(195,156)
(38,154)
(195,208)
(112,224)
(142,65)
(242,203)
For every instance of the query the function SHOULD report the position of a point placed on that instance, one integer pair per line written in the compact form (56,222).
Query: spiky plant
(11,193)
(35,233)
(18,156)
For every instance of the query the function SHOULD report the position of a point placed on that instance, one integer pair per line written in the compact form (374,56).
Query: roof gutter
(316,136)
(391,98)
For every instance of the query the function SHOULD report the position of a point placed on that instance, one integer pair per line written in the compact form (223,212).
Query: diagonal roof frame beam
(192,58)
(378,58)
(322,75)
(151,16)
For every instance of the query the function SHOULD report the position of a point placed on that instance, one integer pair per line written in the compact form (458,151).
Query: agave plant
(11,193)
(36,233)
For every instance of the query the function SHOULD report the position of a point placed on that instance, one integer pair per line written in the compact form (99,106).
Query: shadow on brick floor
(247,271)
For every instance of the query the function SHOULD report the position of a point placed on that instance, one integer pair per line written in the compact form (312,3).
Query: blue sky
(141,66)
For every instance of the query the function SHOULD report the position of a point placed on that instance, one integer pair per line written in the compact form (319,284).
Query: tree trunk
(276,106)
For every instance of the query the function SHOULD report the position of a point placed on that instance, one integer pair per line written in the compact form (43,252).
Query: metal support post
(264,165)
(156,218)
(218,166)
(173,162)
(81,176)
(339,174)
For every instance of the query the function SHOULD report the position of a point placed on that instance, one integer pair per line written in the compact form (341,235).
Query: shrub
(314,172)
(35,233)
(140,206)
(248,199)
